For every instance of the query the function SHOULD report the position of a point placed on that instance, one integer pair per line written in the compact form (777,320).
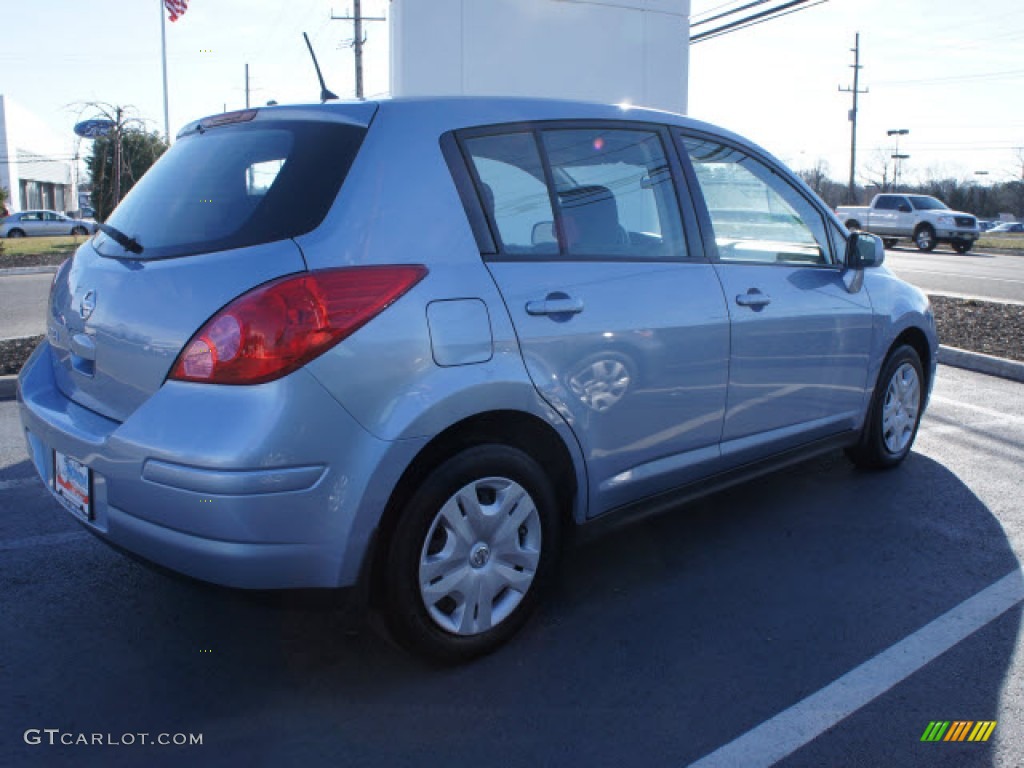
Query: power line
(714,8)
(728,13)
(754,19)
(1013,73)
(770,18)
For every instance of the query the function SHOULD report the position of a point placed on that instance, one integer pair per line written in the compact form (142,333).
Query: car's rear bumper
(269,486)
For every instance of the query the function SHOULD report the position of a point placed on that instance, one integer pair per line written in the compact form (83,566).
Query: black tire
(422,537)
(853,225)
(961,246)
(890,242)
(16,233)
(924,238)
(877,449)
(79,231)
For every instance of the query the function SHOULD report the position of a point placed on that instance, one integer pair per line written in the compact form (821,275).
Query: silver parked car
(44,223)
(1007,226)
(406,344)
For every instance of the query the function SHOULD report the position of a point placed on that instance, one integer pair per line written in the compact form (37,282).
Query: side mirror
(864,250)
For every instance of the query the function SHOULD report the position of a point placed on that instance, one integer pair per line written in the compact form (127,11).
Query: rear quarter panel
(399,205)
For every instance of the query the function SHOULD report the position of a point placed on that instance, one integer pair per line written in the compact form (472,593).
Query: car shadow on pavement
(662,640)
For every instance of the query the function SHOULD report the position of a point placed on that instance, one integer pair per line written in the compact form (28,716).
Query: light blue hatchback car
(407,343)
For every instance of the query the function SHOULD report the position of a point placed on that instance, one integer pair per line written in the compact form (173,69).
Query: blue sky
(950,72)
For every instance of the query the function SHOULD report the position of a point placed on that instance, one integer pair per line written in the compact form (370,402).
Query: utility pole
(853,118)
(246,86)
(359,38)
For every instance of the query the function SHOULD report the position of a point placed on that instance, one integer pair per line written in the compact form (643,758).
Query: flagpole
(163,49)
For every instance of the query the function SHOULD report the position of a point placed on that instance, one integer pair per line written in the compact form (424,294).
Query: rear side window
(615,193)
(235,186)
(581,193)
(514,193)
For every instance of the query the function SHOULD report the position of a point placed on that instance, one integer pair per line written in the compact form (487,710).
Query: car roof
(448,113)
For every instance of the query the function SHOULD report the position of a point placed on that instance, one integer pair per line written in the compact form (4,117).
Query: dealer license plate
(72,482)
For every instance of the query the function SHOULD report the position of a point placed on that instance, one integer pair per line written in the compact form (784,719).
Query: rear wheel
(79,231)
(16,233)
(853,225)
(961,246)
(890,242)
(471,552)
(895,412)
(924,238)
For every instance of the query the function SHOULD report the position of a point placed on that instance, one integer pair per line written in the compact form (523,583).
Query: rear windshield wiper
(119,237)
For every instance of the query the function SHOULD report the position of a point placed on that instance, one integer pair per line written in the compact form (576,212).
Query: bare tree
(878,170)
(122,119)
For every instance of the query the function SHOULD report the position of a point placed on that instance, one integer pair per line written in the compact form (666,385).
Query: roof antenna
(324,93)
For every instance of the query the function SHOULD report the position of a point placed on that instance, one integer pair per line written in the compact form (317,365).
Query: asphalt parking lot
(802,619)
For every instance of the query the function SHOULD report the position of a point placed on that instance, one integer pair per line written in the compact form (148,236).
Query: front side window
(758,217)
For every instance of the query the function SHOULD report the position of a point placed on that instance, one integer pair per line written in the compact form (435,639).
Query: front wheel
(962,246)
(79,231)
(895,412)
(924,238)
(472,550)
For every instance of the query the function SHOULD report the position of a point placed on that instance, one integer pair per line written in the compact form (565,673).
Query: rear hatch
(212,219)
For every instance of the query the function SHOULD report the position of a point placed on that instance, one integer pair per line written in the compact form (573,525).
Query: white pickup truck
(925,220)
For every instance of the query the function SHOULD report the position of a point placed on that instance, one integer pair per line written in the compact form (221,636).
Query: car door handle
(753,298)
(559,306)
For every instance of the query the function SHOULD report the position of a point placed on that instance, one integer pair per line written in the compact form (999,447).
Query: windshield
(236,186)
(925,203)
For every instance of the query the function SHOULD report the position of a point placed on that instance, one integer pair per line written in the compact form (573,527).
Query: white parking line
(791,729)
(1001,416)
(897,270)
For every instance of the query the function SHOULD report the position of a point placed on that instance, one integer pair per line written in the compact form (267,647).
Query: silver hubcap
(924,238)
(899,412)
(480,556)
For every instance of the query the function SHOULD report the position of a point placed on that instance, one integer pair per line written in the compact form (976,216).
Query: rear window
(235,186)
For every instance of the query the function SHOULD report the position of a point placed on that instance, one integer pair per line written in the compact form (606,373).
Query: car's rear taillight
(277,328)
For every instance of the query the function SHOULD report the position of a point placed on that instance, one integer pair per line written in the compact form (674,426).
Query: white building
(36,164)
(612,51)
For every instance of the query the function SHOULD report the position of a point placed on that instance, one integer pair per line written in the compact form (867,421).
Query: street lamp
(897,132)
(899,167)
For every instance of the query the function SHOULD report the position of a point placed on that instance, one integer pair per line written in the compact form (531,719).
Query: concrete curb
(27,271)
(958,358)
(979,363)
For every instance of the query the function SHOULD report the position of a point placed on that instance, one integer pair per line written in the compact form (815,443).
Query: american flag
(176,8)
